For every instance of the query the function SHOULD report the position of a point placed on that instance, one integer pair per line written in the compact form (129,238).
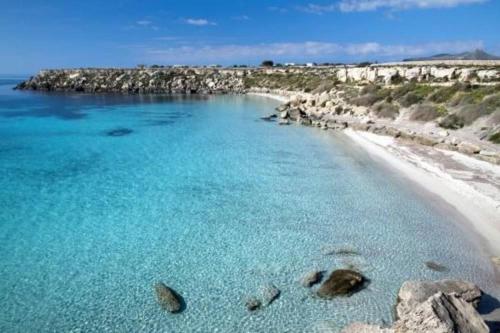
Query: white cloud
(199,22)
(318,9)
(369,5)
(306,50)
(144,23)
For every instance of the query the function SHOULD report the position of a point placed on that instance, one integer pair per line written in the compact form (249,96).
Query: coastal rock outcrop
(413,293)
(442,313)
(167,298)
(342,282)
(428,309)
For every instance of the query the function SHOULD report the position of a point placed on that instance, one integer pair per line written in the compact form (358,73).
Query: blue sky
(37,34)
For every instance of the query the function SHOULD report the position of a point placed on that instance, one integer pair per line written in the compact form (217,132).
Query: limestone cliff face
(215,80)
(134,81)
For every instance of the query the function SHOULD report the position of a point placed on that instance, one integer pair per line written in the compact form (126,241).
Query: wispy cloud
(144,23)
(199,21)
(277,9)
(305,50)
(241,18)
(370,5)
(318,9)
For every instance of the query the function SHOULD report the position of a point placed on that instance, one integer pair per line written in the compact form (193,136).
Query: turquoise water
(203,195)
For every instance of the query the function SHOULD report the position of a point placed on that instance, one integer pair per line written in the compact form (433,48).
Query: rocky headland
(453,107)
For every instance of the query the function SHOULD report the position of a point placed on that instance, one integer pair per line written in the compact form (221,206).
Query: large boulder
(413,293)
(342,282)
(442,313)
(167,298)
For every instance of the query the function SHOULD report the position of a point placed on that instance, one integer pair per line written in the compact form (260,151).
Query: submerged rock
(442,313)
(167,298)
(119,132)
(342,282)
(269,293)
(413,293)
(253,304)
(436,267)
(271,117)
(311,278)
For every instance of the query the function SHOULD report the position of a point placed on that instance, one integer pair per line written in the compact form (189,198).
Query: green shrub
(425,112)
(410,98)
(495,138)
(471,112)
(365,100)
(386,110)
(452,121)
(445,94)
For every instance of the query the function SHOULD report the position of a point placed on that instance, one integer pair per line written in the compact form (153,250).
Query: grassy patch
(445,94)
(427,112)
(495,138)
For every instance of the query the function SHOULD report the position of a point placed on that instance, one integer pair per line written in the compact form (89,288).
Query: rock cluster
(331,111)
(434,307)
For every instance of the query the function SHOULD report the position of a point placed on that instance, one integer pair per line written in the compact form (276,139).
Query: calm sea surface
(102,196)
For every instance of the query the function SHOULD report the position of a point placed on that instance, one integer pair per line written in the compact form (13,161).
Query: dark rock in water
(436,267)
(167,298)
(253,304)
(312,278)
(342,282)
(119,132)
(271,117)
(344,251)
(269,293)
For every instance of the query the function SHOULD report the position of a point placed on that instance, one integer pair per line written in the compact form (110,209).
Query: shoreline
(481,211)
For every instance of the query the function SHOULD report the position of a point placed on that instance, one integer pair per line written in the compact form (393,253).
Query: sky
(41,34)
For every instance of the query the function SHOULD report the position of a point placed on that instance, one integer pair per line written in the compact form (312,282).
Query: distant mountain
(475,55)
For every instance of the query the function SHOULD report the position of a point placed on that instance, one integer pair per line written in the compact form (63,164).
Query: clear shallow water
(205,197)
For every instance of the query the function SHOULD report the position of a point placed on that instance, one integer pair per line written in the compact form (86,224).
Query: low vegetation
(292,81)
(427,112)
(386,110)
(495,138)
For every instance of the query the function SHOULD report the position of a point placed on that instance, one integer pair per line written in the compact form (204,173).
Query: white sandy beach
(471,186)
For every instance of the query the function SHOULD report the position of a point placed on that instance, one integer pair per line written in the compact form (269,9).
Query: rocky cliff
(215,80)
